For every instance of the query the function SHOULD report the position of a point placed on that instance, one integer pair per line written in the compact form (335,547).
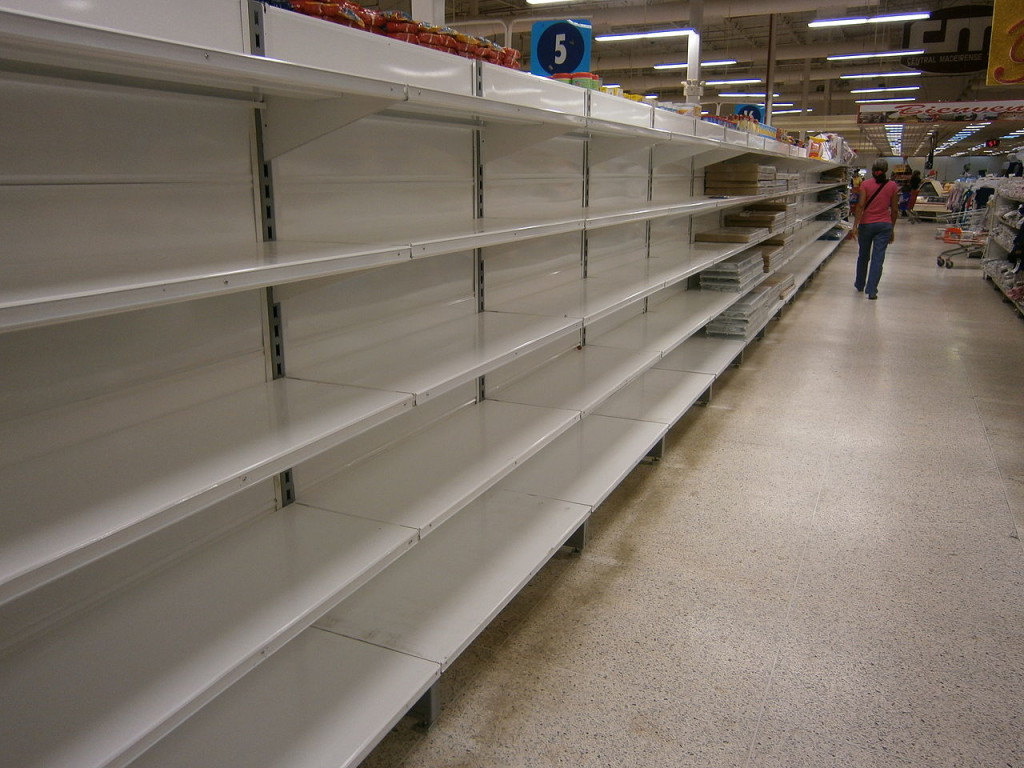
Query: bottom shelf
(330,695)
(586,463)
(435,600)
(323,700)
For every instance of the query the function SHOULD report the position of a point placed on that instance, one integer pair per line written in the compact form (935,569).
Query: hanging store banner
(954,40)
(941,112)
(1006,57)
(560,47)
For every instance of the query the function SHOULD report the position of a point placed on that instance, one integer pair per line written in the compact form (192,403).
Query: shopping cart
(967,232)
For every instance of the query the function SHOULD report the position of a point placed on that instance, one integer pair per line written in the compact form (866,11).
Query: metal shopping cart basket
(967,232)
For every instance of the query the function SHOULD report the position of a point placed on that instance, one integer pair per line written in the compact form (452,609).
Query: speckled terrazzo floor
(824,570)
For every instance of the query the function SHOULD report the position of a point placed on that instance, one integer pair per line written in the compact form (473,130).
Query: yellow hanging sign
(1006,53)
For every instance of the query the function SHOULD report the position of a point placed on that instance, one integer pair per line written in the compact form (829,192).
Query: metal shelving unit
(296,405)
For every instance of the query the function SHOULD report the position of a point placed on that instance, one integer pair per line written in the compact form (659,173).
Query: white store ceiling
(740,30)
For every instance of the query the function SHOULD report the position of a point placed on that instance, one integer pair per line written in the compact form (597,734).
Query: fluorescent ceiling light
(746,95)
(612,85)
(869,75)
(549,2)
(684,65)
(645,35)
(735,82)
(787,112)
(650,96)
(779,104)
(882,101)
(869,19)
(887,90)
(878,55)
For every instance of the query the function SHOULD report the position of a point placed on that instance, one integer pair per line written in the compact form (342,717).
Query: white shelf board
(588,300)
(47,45)
(578,380)
(415,484)
(323,700)
(141,663)
(598,217)
(587,463)
(71,506)
(491,230)
(703,354)
(659,395)
(33,295)
(612,289)
(810,258)
(436,599)
(434,360)
(668,324)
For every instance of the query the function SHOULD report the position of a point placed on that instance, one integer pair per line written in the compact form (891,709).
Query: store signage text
(941,112)
(953,39)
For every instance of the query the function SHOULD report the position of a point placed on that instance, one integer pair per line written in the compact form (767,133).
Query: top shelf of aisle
(311,59)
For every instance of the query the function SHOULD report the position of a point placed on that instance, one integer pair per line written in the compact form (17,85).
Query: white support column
(430,11)
(692,88)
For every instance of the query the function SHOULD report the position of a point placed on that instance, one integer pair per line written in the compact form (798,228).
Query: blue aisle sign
(560,47)
(753,110)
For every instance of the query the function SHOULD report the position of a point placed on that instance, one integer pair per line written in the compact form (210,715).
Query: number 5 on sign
(560,46)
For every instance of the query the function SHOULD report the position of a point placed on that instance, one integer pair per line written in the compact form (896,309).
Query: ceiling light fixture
(892,17)
(684,65)
(752,81)
(746,95)
(878,55)
(869,75)
(883,101)
(788,112)
(644,35)
(887,90)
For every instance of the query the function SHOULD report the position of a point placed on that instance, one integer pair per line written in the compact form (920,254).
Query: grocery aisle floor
(824,570)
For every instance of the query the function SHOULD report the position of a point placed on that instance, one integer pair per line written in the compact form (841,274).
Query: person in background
(874,226)
(915,187)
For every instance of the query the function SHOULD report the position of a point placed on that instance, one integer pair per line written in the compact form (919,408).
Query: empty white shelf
(422,480)
(810,258)
(322,701)
(428,362)
(586,463)
(112,681)
(659,395)
(578,380)
(669,323)
(491,230)
(103,54)
(703,354)
(436,599)
(33,295)
(69,507)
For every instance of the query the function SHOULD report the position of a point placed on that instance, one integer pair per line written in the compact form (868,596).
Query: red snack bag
(403,27)
(307,7)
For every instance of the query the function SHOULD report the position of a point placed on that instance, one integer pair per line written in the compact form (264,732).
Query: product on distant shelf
(400,26)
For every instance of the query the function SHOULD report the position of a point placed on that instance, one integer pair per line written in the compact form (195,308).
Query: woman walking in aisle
(874,225)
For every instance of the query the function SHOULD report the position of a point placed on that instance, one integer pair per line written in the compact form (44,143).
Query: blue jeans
(873,240)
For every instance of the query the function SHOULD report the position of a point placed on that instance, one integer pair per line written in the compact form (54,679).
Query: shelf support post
(577,541)
(428,708)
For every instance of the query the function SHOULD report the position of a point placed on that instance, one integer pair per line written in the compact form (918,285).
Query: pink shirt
(880,209)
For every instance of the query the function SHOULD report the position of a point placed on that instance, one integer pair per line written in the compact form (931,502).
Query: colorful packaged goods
(400,26)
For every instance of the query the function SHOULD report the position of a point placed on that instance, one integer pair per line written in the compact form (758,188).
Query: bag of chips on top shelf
(342,14)
(402,27)
(307,7)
